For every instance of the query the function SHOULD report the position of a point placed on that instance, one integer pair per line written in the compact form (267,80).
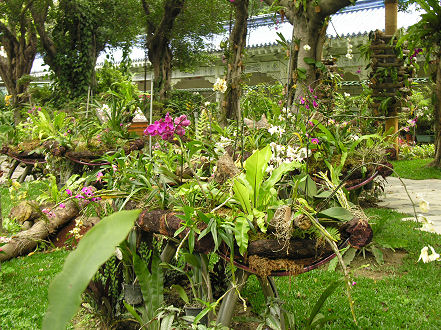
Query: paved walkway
(397,199)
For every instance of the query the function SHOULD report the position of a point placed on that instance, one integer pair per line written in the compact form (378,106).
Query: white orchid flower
(425,257)
(427,224)
(307,47)
(423,204)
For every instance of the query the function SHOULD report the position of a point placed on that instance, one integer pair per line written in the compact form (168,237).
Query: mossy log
(166,223)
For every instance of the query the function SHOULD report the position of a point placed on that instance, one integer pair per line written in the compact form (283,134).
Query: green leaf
(275,177)
(133,312)
(324,194)
(180,290)
(93,250)
(309,60)
(167,322)
(193,260)
(151,283)
(378,254)
(201,315)
(242,194)
(307,185)
(260,220)
(255,167)
(318,305)
(191,240)
(349,256)
(337,212)
(5,128)
(241,233)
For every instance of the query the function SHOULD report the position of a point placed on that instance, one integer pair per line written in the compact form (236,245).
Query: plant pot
(132,293)
(194,311)
(425,138)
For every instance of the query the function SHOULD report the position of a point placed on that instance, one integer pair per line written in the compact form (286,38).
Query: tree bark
(236,46)
(19,40)
(158,45)
(437,115)
(26,241)
(309,29)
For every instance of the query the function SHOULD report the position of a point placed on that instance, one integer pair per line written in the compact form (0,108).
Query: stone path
(397,199)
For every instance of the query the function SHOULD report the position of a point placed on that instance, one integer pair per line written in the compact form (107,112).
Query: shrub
(417,152)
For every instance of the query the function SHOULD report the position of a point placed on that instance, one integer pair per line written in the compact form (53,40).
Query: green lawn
(416,169)
(23,292)
(408,297)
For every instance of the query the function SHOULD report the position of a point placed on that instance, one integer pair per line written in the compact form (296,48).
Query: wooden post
(391,13)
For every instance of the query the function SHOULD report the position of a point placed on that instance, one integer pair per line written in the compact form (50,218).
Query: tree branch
(330,7)
(150,25)
(8,33)
(39,16)
(289,5)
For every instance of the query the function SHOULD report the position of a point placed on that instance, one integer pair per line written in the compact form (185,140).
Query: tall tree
(158,38)
(18,38)
(427,35)
(310,20)
(175,31)
(234,56)
(78,31)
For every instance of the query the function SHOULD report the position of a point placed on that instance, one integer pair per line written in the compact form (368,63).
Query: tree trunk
(158,45)
(309,24)
(161,57)
(236,46)
(308,31)
(20,44)
(437,115)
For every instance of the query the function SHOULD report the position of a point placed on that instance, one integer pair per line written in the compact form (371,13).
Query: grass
(23,293)
(416,169)
(408,297)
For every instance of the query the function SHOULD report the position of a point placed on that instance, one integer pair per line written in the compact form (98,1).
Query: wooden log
(294,249)
(26,241)
(385,56)
(382,47)
(25,211)
(389,85)
(387,65)
(166,223)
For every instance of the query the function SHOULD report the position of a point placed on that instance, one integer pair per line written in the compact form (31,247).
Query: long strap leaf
(94,249)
